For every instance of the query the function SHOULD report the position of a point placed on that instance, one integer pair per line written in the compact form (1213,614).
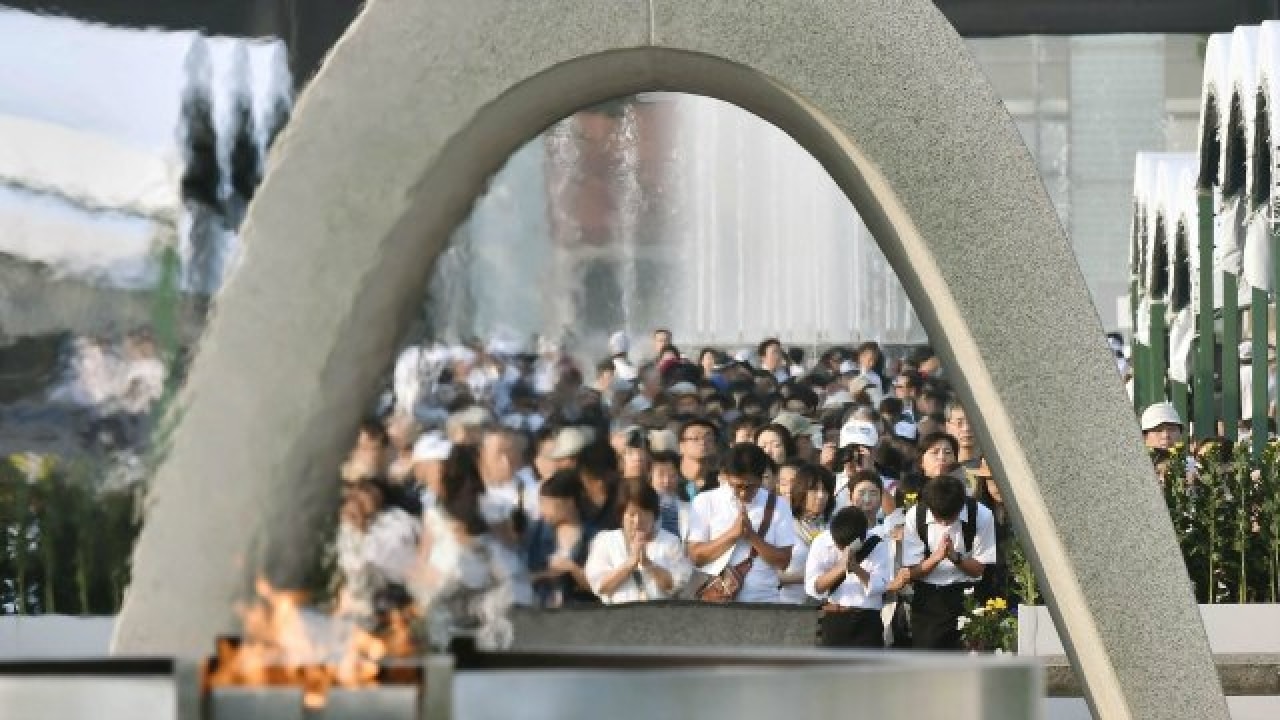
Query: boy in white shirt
(947,548)
(849,567)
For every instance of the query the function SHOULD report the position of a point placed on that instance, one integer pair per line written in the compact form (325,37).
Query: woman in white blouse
(811,503)
(639,561)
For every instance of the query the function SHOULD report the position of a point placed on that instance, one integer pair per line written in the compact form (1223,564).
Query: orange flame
(278,649)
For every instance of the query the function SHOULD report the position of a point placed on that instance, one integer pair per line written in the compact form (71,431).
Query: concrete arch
(421,102)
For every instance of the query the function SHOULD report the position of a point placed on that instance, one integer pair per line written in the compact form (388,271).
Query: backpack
(968,528)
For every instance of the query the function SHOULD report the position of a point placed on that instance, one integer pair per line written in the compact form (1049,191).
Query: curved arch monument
(422,101)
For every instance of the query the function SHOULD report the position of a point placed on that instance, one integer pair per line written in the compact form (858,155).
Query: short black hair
(562,484)
(788,442)
(374,428)
(891,406)
(764,345)
(598,459)
(867,476)
(934,438)
(639,493)
(848,525)
(697,422)
(944,495)
(911,378)
(745,459)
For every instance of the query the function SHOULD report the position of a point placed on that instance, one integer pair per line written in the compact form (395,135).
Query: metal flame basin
(556,684)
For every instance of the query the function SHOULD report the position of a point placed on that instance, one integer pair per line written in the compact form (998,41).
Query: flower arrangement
(1225,508)
(988,626)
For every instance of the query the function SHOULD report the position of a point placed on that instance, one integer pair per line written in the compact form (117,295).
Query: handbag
(723,588)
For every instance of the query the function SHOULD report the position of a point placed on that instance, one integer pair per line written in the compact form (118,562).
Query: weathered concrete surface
(421,101)
(690,625)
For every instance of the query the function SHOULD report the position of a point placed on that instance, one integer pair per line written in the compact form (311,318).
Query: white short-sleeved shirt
(609,550)
(983,550)
(715,511)
(824,555)
(499,501)
(795,594)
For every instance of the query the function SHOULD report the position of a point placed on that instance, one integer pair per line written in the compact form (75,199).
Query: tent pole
(1205,424)
(1258,409)
(1158,354)
(1136,367)
(1230,357)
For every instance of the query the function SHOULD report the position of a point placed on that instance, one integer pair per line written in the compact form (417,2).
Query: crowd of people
(851,483)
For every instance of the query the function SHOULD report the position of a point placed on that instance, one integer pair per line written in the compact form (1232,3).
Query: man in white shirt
(946,550)
(725,527)
(506,490)
(858,440)
(848,567)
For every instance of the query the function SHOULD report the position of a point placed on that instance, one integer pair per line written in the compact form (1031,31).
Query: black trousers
(855,628)
(935,610)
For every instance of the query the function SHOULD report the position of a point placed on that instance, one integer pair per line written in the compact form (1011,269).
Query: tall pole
(1206,420)
(1230,356)
(1258,400)
(1158,354)
(1136,358)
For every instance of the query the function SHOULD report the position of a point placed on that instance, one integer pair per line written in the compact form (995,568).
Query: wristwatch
(956,556)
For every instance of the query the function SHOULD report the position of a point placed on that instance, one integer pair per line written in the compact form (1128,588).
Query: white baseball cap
(570,441)
(857,432)
(431,446)
(1162,413)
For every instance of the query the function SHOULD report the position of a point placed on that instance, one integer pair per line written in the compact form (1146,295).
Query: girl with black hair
(811,505)
(556,545)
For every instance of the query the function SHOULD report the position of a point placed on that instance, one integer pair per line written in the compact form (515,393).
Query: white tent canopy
(1176,220)
(95,121)
(107,248)
(1236,133)
(91,170)
(1215,102)
(126,84)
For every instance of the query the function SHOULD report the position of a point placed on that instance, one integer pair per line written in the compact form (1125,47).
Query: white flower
(979,611)
(968,591)
(961,622)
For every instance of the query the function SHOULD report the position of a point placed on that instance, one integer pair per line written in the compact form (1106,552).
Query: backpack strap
(922,527)
(969,528)
(766,521)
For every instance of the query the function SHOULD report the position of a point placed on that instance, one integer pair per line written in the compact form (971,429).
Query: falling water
(627,201)
(563,160)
